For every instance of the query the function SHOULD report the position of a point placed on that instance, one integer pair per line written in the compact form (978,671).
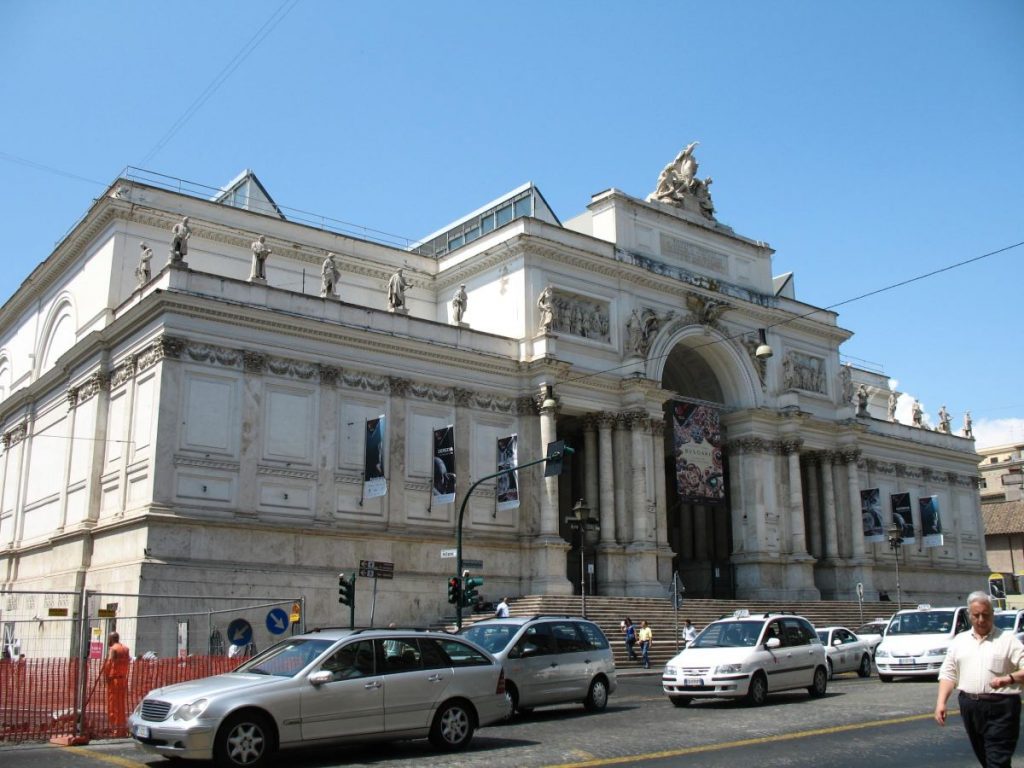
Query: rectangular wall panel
(211,413)
(288,426)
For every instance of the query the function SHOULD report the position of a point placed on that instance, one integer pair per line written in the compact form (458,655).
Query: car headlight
(191,711)
(728,669)
(670,670)
(937,652)
(881,653)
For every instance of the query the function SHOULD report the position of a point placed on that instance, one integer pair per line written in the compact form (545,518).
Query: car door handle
(435,678)
(371,685)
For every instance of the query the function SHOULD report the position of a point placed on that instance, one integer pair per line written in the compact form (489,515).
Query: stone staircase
(607,612)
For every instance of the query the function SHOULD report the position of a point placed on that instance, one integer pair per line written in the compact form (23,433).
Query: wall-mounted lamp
(763,351)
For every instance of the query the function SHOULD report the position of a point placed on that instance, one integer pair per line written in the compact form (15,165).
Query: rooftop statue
(678,185)
(396,290)
(459,302)
(180,233)
(329,276)
(260,252)
(143,272)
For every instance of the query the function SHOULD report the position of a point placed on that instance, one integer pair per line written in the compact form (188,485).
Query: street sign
(477,564)
(239,632)
(377,569)
(277,621)
(448,554)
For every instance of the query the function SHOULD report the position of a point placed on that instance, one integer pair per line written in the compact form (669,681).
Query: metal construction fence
(54,645)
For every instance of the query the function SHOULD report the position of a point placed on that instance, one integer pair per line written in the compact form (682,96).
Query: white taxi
(916,641)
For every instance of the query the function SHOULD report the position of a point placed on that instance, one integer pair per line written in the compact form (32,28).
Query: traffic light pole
(462,512)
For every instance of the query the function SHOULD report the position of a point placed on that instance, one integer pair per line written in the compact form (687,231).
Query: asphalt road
(859,722)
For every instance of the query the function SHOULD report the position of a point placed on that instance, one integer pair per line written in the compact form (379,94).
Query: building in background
(1002,509)
(201,427)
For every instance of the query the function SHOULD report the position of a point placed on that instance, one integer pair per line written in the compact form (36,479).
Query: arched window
(59,336)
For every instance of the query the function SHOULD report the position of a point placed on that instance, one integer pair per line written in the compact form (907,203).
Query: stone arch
(732,369)
(58,336)
(5,375)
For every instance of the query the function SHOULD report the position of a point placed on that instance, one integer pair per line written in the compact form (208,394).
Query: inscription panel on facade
(694,255)
(288,426)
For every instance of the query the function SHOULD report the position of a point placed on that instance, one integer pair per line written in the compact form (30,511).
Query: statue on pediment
(329,276)
(260,253)
(678,185)
(180,233)
(143,272)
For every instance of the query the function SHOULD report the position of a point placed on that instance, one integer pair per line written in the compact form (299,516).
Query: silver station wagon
(328,686)
(549,660)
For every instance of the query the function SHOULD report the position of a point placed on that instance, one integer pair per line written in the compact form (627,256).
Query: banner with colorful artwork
(374,482)
(443,485)
(507,488)
(871,515)
(903,516)
(697,439)
(931,522)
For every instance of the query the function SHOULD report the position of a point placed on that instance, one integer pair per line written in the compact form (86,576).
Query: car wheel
(885,678)
(597,696)
(512,697)
(819,684)
(831,671)
(680,701)
(864,670)
(245,739)
(757,693)
(453,726)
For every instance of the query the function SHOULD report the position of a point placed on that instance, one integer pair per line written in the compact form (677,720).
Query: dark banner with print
(507,488)
(871,514)
(374,483)
(697,439)
(903,516)
(931,523)
(443,487)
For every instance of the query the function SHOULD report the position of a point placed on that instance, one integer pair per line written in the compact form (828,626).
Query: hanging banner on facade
(374,482)
(443,488)
(507,489)
(902,516)
(871,514)
(697,439)
(931,523)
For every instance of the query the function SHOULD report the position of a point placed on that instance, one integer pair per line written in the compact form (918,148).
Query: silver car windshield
(729,634)
(492,637)
(287,658)
(921,623)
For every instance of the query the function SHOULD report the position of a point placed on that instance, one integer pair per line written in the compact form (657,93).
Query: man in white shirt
(689,632)
(501,611)
(987,665)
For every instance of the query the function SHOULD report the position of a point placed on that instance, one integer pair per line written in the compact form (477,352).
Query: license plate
(142,731)
(693,681)
(904,660)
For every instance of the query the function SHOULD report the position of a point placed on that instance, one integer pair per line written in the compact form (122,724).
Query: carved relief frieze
(208,353)
(790,445)
(463,397)
(329,374)
(165,346)
(604,420)
(705,310)
(357,380)
(204,463)
(913,473)
(495,403)
(527,405)
(882,467)
(579,316)
(398,386)
(683,275)
(90,387)
(122,373)
(750,445)
(803,371)
(850,455)
(254,362)
(14,436)
(300,369)
(343,478)
(952,478)
(431,392)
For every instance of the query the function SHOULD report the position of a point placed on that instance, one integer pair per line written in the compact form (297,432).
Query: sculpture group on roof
(678,183)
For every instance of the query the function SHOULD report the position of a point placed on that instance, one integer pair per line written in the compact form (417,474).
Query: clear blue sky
(868,142)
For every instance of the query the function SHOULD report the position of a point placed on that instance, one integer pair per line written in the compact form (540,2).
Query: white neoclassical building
(195,422)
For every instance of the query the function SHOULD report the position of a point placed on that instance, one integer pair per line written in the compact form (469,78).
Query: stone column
(20,436)
(623,529)
(253,397)
(549,491)
(660,505)
(850,457)
(638,470)
(829,516)
(607,478)
(395,469)
(791,448)
(590,476)
(327,446)
(813,506)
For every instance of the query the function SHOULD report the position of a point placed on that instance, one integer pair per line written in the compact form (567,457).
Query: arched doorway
(698,518)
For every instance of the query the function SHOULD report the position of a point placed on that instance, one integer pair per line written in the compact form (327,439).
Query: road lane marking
(123,762)
(745,742)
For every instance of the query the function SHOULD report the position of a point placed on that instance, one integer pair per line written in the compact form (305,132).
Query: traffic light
(556,453)
(454,590)
(347,589)
(469,588)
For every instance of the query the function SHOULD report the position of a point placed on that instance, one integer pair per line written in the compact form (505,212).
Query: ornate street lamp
(580,521)
(895,542)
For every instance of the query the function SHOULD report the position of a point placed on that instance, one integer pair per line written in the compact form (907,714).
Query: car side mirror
(837,641)
(772,642)
(320,677)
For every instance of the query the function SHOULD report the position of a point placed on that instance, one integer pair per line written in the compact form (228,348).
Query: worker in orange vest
(115,673)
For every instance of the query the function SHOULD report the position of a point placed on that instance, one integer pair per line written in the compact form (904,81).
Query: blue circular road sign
(277,621)
(239,632)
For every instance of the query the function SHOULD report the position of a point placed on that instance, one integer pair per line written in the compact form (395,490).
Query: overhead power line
(261,34)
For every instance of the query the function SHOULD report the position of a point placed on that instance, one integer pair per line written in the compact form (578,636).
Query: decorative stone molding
(827,457)
(192,461)
(122,373)
(90,387)
(296,474)
(329,374)
(300,369)
(165,346)
(849,455)
(705,310)
(494,403)
(604,419)
(398,386)
(254,362)
(14,436)
(357,380)
(637,420)
(463,397)
(683,275)
(882,467)
(750,342)
(207,353)
(900,469)
(527,405)
(790,445)
(952,478)
(656,426)
(431,392)
(750,445)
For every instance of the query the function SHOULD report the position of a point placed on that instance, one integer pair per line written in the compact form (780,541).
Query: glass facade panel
(524,206)
(504,214)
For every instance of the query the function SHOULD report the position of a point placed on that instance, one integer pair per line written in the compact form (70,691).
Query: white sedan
(872,632)
(845,651)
